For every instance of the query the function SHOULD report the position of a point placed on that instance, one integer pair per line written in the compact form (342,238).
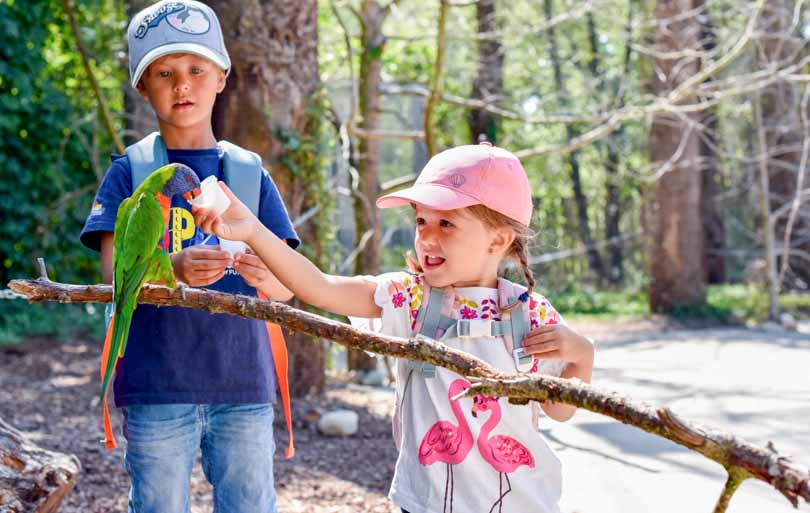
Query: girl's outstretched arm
(344,295)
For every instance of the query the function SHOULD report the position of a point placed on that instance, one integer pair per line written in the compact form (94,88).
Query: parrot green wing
(138,230)
(161,269)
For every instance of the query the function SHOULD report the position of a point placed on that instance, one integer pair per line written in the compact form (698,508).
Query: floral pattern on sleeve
(541,313)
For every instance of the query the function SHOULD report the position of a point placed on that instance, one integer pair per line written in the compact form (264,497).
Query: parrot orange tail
(109,438)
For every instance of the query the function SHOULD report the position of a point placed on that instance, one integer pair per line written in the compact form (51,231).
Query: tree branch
(437,81)
(102,104)
(740,458)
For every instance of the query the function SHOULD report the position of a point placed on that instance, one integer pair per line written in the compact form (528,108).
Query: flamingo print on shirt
(504,453)
(446,442)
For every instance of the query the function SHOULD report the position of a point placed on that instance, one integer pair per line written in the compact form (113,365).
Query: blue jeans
(237,456)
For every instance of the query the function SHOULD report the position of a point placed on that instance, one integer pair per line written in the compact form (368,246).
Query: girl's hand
(560,342)
(236,223)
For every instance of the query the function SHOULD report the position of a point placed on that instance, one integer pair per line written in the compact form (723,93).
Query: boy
(188,378)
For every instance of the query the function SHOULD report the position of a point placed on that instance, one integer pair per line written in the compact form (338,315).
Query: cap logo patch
(179,16)
(457,180)
(153,19)
(190,21)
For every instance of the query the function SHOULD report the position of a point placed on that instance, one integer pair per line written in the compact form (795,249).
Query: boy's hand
(200,265)
(236,223)
(257,275)
(558,341)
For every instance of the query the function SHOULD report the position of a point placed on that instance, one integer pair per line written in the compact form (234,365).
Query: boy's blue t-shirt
(183,355)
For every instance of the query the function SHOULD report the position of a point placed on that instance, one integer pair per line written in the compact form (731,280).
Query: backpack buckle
(523,360)
(474,328)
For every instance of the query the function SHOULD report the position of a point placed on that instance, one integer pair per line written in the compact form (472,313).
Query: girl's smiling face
(456,248)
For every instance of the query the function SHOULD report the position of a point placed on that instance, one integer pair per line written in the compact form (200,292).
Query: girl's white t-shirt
(448,455)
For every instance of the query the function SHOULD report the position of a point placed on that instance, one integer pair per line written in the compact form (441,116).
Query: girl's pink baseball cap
(479,174)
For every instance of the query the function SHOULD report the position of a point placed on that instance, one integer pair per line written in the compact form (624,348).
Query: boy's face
(182,88)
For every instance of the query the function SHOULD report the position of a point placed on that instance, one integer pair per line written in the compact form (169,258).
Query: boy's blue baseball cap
(179,26)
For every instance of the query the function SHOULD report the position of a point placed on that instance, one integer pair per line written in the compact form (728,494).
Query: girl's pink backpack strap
(508,293)
(433,320)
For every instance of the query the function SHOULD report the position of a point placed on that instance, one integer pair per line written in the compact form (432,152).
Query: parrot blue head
(184,181)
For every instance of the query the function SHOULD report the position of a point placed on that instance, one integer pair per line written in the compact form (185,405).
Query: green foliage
(724,303)
(19,319)
(49,143)
(307,157)
(579,302)
(798,304)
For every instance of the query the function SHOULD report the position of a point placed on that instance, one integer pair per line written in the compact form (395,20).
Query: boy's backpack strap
(145,156)
(243,174)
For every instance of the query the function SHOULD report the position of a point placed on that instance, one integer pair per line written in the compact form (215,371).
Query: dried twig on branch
(741,459)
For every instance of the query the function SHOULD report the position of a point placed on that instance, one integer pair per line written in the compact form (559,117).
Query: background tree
(367,218)
(488,83)
(675,229)
(273,104)
(780,43)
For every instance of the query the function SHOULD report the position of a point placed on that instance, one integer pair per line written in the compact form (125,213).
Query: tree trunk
(274,80)
(32,479)
(366,215)
(675,235)
(594,259)
(713,224)
(783,127)
(488,83)
(613,207)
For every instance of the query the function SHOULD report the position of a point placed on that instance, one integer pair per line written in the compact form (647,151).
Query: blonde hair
(518,252)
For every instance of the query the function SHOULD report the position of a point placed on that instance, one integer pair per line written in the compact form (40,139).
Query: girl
(472,207)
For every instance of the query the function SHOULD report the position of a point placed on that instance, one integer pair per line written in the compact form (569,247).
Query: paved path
(753,383)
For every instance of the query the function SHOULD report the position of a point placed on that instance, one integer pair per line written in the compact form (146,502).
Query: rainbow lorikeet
(138,258)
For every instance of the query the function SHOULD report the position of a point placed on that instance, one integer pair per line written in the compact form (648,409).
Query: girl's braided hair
(518,252)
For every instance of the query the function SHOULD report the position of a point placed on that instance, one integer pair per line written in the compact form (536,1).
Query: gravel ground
(49,391)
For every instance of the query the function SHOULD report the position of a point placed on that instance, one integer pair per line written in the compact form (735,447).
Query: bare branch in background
(437,80)
(797,200)
(102,103)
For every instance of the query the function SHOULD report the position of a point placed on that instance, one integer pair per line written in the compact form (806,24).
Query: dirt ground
(49,390)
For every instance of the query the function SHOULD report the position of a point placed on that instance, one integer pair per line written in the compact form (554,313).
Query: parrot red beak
(190,195)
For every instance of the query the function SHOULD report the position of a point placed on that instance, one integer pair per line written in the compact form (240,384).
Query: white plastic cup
(212,197)
(232,246)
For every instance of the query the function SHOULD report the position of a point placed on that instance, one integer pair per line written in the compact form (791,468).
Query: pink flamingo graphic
(447,443)
(504,453)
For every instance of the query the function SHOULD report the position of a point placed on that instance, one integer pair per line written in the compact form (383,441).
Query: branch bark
(33,479)
(740,458)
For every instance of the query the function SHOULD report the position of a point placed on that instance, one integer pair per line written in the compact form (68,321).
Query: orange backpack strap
(109,438)
(279,349)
